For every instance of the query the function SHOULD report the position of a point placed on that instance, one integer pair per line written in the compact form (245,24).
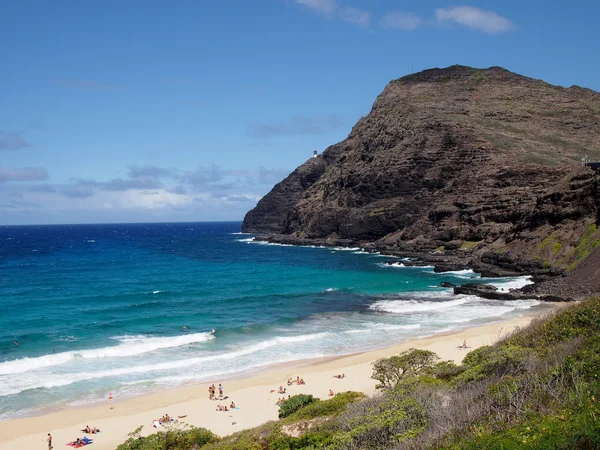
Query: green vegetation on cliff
(537,389)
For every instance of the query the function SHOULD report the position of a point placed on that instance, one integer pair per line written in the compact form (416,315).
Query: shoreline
(192,400)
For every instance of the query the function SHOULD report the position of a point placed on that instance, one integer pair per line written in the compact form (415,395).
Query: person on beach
(49,440)
(290,382)
(220,390)
(281,389)
(232,406)
(463,346)
(110,399)
(331,394)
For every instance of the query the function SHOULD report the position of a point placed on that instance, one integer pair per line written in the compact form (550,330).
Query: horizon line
(116,223)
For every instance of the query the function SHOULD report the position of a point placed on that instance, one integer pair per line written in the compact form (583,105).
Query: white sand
(251,395)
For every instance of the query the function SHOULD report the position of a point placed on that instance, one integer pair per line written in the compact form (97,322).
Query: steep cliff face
(452,160)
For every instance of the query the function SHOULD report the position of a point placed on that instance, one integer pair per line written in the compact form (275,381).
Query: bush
(320,408)
(308,441)
(446,370)
(179,436)
(579,320)
(293,404)
(500,361)
(390,371)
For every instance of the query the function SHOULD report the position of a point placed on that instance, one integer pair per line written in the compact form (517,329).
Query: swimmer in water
(183,327)
(16,343)
(214,330)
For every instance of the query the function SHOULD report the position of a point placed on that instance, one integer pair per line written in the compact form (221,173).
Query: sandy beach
(251,395)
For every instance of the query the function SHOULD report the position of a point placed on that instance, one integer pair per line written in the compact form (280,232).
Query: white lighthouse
(315,153)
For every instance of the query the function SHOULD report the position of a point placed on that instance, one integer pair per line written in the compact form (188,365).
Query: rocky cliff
(481,164)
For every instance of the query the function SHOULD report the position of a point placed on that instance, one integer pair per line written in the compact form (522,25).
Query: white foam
(346,249)
(410,306)
(129,346)
(511,283)
(15,385)
(247,240)
(238,233)
(465,273)
(156,292)
(276,244)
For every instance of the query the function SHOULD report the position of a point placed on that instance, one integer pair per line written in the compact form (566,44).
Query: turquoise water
(130,308)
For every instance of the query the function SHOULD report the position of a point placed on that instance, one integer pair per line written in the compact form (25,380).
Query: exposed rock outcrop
(479,167)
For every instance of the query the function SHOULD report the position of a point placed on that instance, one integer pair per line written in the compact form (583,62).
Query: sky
(156,111)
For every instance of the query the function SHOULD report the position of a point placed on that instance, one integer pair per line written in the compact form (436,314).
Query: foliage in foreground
(536,389)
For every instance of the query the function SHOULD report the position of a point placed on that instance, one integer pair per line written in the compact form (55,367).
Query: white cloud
(24,174)
(355,16)
(401,20)
(326,7)
(475,19)
(332,9)
(153,200)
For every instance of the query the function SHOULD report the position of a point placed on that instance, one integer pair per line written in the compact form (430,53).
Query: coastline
(252,395)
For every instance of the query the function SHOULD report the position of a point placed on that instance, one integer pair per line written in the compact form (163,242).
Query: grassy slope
(537,389)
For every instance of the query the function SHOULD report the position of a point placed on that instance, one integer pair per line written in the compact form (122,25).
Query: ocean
(129,308)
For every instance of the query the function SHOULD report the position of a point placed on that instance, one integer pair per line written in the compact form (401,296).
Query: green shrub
(390,371)
(500,361)
(320,408)
(446,370)
(477,356)
(579,320)
(293,404)
(311,440)
(179,436)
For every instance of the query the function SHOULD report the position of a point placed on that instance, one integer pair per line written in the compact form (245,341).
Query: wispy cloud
(406,21)
(474,18)
(11,140)
(45,188)
(77,192)
(355,16)
(297,125)
(325,7)
(331,9)
(122,184)
(149,170)
(24,174)
(202,176)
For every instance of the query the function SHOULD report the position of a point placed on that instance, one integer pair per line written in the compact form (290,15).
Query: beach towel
(83,444)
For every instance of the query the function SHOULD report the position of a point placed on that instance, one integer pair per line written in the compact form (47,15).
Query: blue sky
(138,111)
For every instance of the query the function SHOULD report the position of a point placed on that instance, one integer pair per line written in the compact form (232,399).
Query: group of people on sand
(298,380)
(156,423)
(93,430)
(224,407)
(212,392)
(80,441)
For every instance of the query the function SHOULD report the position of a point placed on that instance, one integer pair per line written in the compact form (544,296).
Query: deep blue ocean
(129,308)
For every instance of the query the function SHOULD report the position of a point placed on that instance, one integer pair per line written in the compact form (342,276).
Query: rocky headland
(459,168)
